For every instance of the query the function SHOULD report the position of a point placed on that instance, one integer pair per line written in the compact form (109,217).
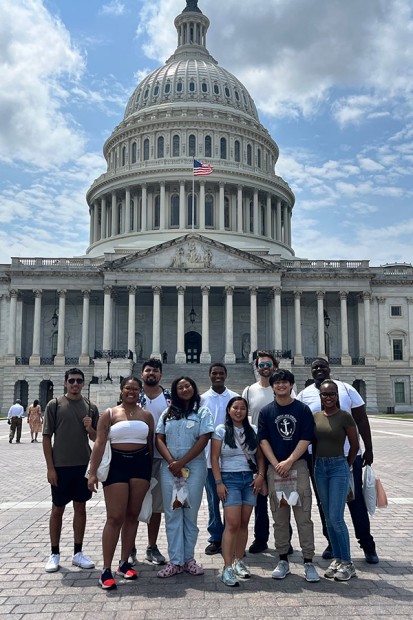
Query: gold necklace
(130,413)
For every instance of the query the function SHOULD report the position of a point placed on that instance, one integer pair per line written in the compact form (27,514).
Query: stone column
(382,328)
(298,357)
(162,207)
(35,356)
(11,348)
(345,357)
(156,326)
(182,206)
(255,213)
(278,234)
(131,319)
(59,359)
(240,227)
(127,210)
(221,215)
(285,214)
(144,211)
(84,359)
(180,357)
(369,358)
(205,357)
(268,218)
(229,357)
(253,321)
(95,221)
(91,224)
(277,318)
(114,230)
(410,324)
(103,216)
(107,319)
(135,227)
(202,205)
(320,324)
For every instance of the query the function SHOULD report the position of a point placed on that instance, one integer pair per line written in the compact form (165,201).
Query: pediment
(192,252)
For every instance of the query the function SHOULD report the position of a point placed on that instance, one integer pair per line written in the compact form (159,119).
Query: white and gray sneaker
(281,570)
(241,570)
(82,561)
(310,572)
(229,578)
(345,572)
(53,563)
(155,556)
(332,569)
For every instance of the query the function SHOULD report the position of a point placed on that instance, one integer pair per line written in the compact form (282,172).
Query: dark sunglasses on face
(72,381)
(265,365)
(328,394)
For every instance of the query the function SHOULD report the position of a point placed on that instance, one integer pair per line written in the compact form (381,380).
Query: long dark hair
(177,409)
(250,437)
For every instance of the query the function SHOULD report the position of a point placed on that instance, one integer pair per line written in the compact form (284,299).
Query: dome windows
(204,87)
(146,93)
(161,147)
(223,149)
(156,91)
(237,151)
(146,149)
(167,88)
(191,145)
(179,87)
(227,92)
(208,146)
(236,93)
(216,89)
(133,152)
(192,86)
(176,145)
(249,155)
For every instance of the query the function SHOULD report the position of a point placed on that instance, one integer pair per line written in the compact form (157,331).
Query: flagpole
(193,191)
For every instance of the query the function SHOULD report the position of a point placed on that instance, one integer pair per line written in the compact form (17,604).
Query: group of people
(184,441)
(34,419)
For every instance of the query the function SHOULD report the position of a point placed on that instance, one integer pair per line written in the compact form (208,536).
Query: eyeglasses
(265,365)
(78,381)
(328,394)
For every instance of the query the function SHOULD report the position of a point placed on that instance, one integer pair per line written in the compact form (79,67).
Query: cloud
(38,64)
(115,7)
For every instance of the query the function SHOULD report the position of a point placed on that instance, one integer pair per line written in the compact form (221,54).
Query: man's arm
(268,453)
(284,467)
(48,455)
(360,417)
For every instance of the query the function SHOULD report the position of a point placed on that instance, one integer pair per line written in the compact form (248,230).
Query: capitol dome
(190,109)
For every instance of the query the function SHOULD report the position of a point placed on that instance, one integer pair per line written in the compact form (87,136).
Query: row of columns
(277,219)
(180,357)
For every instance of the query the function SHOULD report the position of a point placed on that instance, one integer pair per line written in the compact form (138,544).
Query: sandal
(193,568)
(170,570)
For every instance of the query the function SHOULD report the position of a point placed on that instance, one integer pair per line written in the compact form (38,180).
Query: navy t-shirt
(284,426)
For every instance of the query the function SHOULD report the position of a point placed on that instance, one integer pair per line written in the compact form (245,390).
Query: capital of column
(62,293)
(132,289)
(253,290)
(181,290)
(343,294)
(13,293)
(409,300)
(366,295)
(205,290)
(157,290)
(229,290)
(381,300)
(107,290)
(297,294)
(320,294)
(38,292)
(276,290)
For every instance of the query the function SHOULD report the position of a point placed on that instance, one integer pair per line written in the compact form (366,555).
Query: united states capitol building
(199,268)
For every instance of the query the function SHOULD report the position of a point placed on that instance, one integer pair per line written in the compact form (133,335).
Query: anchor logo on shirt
(286,426)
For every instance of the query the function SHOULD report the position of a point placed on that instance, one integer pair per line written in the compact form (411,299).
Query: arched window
(204,87)
(191,209)
(157,212)
(209,211)
(123,155)
(192,86)
(179,87)
(223,148)
(237,151)
(191,145)
(259,158)
(208,146)
(167,88)
(227,215)
(175,146)
(156,91)
(227,92)
(161,143)
(146,149)
(174,215)
(134,152)
(249,155)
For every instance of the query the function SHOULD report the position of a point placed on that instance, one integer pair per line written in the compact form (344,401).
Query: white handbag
(103,469)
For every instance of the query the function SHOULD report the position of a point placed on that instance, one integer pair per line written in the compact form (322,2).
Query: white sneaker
(53,563)
(281,570)
(310,572)
(82,561)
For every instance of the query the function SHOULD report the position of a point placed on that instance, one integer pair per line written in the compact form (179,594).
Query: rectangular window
(395,310)
(397,349)
(399,393)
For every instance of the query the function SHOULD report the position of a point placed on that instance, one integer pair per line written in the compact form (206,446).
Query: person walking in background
(130,429)
(216,399)
(15,419)
(238,468)
(71,421)
(182,434)
(332,475)
(35,420)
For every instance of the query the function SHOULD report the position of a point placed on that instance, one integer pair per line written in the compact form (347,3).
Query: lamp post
(108,361)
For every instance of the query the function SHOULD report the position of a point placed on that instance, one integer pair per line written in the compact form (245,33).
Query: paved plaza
(27,592)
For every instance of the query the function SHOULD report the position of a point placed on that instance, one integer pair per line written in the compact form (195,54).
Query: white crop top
(129,431)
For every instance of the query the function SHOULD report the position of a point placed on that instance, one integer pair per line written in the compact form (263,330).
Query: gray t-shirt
(233,459)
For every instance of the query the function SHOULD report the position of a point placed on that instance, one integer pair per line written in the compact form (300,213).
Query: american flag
(201,169)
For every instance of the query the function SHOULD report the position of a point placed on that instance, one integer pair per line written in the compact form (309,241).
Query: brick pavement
(27,592)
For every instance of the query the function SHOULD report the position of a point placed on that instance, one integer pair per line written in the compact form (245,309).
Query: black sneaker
(327,553)
(371,557)
(290,550)
(106,580)
(126,571)
(258,546)
(213,548)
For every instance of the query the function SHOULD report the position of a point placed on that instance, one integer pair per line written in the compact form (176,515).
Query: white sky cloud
(115,7)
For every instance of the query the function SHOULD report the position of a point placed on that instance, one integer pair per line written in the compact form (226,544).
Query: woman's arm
(216,447)
(259,484)
(102,433)
(354,444)
(160,442)
(149,421)
(176,466)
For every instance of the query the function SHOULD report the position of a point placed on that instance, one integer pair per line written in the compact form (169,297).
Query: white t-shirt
(233,459)
(156,406)
(348,396)
(257,398)
(217,404)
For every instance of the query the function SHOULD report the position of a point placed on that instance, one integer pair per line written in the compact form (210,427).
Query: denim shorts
(239,491)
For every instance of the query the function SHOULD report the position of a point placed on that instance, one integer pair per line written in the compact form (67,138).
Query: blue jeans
(215,526)
(239,489)
(332,475)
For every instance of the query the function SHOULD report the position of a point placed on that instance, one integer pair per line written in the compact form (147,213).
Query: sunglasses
(328,394)
(78,381)
(265,365)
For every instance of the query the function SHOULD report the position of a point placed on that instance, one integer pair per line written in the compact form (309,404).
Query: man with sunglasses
(71,420)
(350,401)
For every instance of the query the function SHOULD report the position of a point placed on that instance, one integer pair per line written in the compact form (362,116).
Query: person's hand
(52,476)
(87,422)
(93,483)
(259,486)
(175,468)
(367,458)
(222,491)
(283,468)
(9,422)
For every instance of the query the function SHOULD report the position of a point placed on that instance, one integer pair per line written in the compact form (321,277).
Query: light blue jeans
(332,475)
(181,523)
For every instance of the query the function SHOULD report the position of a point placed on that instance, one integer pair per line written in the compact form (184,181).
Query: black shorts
(127,465)
(71,486)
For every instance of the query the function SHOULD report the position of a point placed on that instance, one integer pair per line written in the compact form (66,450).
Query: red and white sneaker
(126,571)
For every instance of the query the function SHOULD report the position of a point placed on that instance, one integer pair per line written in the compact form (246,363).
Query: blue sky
(333,83)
